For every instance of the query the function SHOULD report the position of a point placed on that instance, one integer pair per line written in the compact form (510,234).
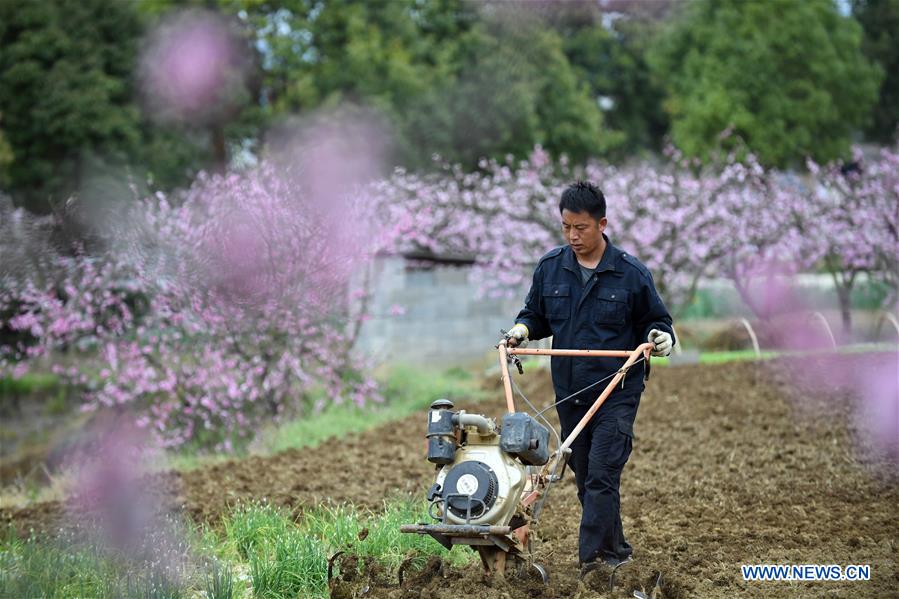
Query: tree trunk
(843,283)
(219,149)
(843,295)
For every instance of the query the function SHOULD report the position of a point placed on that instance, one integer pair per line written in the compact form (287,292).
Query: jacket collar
(607,262)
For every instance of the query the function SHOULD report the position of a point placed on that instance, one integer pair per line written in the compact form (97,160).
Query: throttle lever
(513,359)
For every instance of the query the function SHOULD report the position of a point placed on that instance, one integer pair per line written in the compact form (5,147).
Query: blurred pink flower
(193,67)
(110,493)
(877,408)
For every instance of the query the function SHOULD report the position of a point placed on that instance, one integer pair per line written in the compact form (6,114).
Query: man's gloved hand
(662,341)
(518,336)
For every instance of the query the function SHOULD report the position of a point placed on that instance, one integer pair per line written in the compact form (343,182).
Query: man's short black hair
(583,196)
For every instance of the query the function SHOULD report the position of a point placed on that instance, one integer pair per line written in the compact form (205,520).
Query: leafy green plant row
(259,551)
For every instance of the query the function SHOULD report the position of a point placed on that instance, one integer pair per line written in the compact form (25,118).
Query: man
(591,295)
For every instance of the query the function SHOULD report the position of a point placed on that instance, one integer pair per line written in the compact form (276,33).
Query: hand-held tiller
(492,480)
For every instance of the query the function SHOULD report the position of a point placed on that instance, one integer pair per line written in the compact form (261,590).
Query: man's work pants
(598,456)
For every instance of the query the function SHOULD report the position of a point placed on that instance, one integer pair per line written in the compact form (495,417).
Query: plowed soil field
(732,464)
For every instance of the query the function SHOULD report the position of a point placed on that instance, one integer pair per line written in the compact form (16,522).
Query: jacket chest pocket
(611,306)
(557,301)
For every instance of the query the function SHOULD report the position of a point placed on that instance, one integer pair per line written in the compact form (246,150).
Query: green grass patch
(58,569)
(734,356)
(30,382)
(33,385)
(723,357)
(406,390)
(260,551)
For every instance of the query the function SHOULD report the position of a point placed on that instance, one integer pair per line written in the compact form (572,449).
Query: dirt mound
(730,466)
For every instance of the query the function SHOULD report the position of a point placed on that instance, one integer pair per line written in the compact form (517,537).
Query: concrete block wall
(432,315)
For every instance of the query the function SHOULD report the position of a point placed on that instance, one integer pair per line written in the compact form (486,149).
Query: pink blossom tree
(506,215)
(850,222)
(738,221)
(246,281)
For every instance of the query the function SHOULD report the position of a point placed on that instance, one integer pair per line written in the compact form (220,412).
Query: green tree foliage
(453,79)
(483,109)
(511,87)
(68,106)
(786,77)
(570,119)
(322,54)
(880,21)
(611,60)
(461,79)
(64,67)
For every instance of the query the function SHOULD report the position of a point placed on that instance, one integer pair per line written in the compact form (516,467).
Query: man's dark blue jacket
(616,309)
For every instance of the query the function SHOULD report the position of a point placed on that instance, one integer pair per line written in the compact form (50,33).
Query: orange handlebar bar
(632,356)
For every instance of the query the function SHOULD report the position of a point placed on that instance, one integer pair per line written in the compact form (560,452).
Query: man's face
(582,232)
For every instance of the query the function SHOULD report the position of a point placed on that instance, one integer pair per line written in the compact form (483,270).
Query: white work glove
(518,336)
(662,342)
